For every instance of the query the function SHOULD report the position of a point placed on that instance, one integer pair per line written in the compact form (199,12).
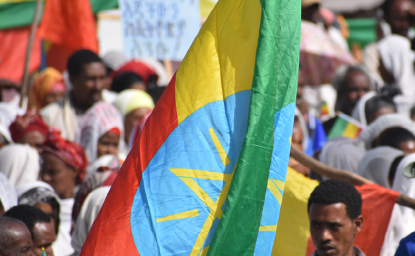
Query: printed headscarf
(98,120)
(28,123)
(46,82)
(70,152)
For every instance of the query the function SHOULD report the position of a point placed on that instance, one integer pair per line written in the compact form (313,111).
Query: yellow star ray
(188,175)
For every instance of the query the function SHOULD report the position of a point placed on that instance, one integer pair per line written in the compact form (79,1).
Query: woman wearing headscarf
(397,69)
(63,168)
(48,87)
(19,163)
(147,74)
(373,105)
(8,196)
(346,154)
(101,132)
(87,216)
(41,195)
(133,105)
(379,165)
(29,129)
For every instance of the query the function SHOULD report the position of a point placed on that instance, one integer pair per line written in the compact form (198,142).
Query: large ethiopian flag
(206,176)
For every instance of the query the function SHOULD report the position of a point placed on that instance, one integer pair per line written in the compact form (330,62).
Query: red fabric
(113,220)
(115,131)
(13,47)
(377,209)
(28,123)
(70,24)
(70,152)
(137,67)
(140,126)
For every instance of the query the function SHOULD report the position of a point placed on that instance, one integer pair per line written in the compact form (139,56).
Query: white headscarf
(61,244)
(405,186)
(97,121)
(8,113)
(343,153)
(376,164)
(398,58)
(19,163)
(381,124)
(359,111)
(8,196)
(87,216)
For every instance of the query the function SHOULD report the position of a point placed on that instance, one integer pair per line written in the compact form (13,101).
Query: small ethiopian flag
(345,126)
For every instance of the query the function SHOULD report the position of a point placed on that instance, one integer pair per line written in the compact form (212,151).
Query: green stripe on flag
(274,87)
(19,14)
(338,128)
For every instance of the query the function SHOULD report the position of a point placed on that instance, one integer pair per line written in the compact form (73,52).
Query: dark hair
(337,191)
(383,99)
(124,81)
(79,58)
(394,167)
(392,137)
(29,215)
(386,7)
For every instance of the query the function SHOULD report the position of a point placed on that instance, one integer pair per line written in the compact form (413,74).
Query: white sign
(163,29)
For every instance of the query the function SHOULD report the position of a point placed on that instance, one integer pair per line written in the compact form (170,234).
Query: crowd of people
(60,155)
(62,152)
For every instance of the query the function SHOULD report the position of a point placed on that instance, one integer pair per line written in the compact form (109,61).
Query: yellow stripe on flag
(351,130)
(269,228)
(293,225)
(178,216)
(221,68)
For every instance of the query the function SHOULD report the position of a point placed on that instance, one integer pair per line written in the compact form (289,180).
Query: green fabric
(17,15)
(362,31)
(21,14)
(338,128)
(102,5)
(274,86)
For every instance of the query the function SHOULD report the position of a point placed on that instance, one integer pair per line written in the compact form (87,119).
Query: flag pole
(334,173)
(35,24)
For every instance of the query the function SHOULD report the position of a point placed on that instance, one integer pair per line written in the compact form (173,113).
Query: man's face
(87,86)
(19,241)
(44,236)
(356,85)
(398,17)
(332,230)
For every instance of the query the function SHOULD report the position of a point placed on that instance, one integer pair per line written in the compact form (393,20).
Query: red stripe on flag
(111,233)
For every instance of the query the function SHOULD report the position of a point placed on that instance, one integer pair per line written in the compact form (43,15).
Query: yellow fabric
(42,87)
(221,69)
(351,131)
(293,228)
(132,99)
(14,1)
